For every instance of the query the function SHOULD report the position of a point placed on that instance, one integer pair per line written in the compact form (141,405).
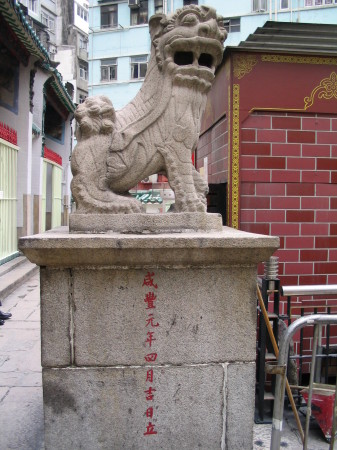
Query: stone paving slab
(21,415)
(21,405)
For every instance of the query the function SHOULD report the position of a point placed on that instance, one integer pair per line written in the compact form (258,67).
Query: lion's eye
(189,19)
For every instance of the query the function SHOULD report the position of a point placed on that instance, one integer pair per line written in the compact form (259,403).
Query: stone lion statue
(159,129)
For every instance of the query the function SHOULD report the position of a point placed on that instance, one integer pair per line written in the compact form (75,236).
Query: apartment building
(119,42)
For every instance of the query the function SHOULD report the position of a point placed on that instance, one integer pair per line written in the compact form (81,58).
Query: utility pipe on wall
(291,11)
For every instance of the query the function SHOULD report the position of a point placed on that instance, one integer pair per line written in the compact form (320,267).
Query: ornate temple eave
(13,15)
(55,83)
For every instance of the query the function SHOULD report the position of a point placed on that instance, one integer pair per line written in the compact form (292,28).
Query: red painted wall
(279,114)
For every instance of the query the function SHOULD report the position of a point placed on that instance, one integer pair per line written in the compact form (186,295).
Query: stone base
(148,341)
(207,406)
(144,223)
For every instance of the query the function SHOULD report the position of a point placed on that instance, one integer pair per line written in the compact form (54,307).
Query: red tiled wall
(214,144)
(288,171)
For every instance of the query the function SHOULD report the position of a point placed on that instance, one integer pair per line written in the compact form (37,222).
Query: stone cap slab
(59,248)
(144,223)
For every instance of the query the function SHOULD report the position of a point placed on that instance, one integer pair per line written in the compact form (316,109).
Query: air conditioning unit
(134,4)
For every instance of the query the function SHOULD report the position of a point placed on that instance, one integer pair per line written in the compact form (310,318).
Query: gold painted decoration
(327,89)
(229,153)
(235,155)
(299,59)
(243,64)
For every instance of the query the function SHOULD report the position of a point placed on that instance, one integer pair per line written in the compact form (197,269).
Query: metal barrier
(314,308)
(317,320)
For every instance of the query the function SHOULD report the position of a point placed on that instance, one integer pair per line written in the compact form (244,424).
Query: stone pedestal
(148,341)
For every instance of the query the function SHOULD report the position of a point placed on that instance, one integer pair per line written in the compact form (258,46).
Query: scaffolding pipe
(315,319)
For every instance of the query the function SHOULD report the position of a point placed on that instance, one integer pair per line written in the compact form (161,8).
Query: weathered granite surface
(145,223)
(98,351)
(159,129)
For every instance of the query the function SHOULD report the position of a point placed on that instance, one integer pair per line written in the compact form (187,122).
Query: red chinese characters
(149,299)
(151,325)
(148,280)
(150,429)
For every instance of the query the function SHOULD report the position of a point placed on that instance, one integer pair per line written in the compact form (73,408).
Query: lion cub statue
(159,129)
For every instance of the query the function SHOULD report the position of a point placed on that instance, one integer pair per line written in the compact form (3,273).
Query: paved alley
(21,408)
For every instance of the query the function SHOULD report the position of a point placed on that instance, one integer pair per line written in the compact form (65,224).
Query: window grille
(138,66)
(109,16)
(260,5)
(190,2)
(81,12)
(83,72)
(109,69)
(139,15)
(32,5)
(233,25)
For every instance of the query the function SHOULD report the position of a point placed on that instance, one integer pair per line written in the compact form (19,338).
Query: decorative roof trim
(36,130)
(13,15)
(15,18)
(56,83)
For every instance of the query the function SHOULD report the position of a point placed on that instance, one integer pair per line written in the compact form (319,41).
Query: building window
(139,16)
(83,43)
(32,5)
(109,69)
(48,20)
(233,25)
(284,4)
(83,71)
(81,98)
(158,6)
(109,16)
(52,49)
(190,2)
(82,13)
(138,66)
(319,2)
(260,5)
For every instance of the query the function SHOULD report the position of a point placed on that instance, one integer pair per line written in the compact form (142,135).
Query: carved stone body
(159,129)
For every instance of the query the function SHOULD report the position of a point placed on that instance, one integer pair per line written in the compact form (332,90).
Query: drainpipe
(171,7)
(291,11)
(270,10)
(276,10)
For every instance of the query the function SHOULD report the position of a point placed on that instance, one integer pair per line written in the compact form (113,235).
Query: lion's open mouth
(198,51)
(195,59)
(186,58)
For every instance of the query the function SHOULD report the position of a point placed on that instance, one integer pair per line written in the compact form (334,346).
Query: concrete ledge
(144,223)
(59,248)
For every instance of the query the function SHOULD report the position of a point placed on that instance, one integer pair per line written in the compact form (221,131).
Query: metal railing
(281,369)
(314,308)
